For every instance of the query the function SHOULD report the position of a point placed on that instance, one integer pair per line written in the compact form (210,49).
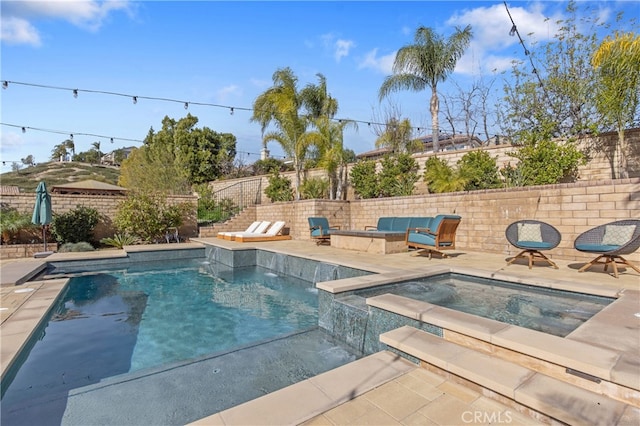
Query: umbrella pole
(44,237)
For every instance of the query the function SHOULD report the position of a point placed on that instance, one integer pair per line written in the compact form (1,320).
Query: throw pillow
(529,232)
(617,235)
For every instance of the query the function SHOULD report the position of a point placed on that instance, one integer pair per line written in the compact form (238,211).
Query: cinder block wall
(571,208)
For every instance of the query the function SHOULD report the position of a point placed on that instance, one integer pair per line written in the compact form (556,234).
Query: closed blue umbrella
(42,210)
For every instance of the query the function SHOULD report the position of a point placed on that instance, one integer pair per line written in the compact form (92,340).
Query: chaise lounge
(440,235)
(256,227)
(275,233)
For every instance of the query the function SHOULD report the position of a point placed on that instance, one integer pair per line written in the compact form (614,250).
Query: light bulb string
(136,98)
(111,138)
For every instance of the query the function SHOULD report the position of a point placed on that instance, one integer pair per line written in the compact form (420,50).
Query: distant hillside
(56,173)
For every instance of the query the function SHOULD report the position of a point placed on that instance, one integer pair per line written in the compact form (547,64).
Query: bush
(479,171)
(398,175)
(75,225)
(279,188)
(545,162)
(314,188)
(148,216)
(75,247)
(13,223)
(440,177)
(364,179)
(120,240)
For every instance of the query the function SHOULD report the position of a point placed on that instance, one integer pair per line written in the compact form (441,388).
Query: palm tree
(398,137)
(423,64)
(328,138)
(284,107)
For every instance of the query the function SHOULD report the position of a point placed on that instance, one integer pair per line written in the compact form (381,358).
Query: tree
(364,179)
(291,111)
(332,156)
(60,152)
(440,177)
(479,171)
(28,161)
(398,175)
(556,98)
(178,156)
(398,136)
(617,64)
(424,64)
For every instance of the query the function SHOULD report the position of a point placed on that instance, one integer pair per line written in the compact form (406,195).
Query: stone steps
(543,394)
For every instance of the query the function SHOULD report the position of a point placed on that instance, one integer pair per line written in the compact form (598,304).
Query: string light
(186,104)
(24,130)
(71,136)
(111,139)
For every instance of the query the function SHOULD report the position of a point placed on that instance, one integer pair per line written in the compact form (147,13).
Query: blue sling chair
(319,230)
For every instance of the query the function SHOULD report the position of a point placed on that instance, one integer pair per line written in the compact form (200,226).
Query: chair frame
(445,233)
(322,238)
(612,257)
(550,235)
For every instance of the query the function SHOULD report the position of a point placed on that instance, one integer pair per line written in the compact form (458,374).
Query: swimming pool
(131,332)
(542,309)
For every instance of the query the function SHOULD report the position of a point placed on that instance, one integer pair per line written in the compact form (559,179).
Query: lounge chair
(273,234)
(532,236)
(610,241)
(255,227)
(441,235)
(319,229)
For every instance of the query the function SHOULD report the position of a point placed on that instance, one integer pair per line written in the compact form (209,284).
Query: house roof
(88,187)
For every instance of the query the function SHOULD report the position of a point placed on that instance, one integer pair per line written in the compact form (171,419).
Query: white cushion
(617,235)
(529,232)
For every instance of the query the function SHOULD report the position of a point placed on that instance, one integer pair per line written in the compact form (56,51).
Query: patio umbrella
(42,210)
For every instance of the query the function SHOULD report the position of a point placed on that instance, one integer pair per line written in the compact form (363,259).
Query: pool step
(551,397)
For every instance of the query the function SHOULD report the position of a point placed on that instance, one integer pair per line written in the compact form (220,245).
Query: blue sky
(225,53)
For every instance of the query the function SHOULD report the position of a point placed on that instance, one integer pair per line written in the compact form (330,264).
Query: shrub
(279,188)
(544,162)
(364,179)
(75,247)
(440,177)
(120,240)
(398,175)
(479,171)
(75,225)
(314,188)
(13,223)
(148,216)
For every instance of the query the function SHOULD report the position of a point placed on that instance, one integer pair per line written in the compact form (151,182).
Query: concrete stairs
(546,398)
(239,222)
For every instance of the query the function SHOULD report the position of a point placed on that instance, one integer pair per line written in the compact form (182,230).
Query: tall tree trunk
(434,107)
(620,156)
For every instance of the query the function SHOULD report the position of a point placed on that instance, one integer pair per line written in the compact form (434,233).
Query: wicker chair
(610,241)
(532,237)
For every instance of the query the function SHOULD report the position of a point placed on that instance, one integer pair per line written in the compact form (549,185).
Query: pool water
(550,311)
(118,322)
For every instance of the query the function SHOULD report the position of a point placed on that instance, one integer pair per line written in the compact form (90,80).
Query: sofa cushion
(420,222)
(385,224)
(400,224)
(596,248)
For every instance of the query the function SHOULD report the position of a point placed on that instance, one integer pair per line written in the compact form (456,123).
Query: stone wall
(18,251)
(571,208)
(598,166)
(106,205)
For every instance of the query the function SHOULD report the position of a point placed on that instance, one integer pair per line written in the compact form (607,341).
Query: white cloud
(383,64)
(224,93)
(342,48)
(491,27)
(9,141)
(18,31)
(18,17)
